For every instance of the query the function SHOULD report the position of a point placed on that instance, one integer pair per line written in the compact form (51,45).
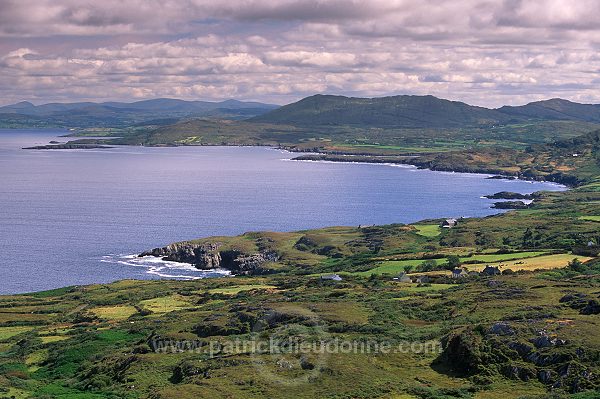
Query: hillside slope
(555,109)
(396,111)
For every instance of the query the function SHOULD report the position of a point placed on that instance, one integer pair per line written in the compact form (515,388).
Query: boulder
(592,307)
(501,328)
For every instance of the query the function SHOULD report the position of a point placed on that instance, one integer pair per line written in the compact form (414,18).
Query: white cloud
(480,51)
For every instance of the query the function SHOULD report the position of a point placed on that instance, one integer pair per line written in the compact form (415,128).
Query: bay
(70,217)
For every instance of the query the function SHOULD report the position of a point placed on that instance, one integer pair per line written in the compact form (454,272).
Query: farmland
(356,308)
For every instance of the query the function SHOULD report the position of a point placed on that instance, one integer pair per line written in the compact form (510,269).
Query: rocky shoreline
(67,146)
(431,164)
(510,205)
(212,255)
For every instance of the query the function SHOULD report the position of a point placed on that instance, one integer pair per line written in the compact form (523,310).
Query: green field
(165,304)
(428,230)
(501,257)
(114,312)
(540,262)
(398,266)
(594,218)
(8,332)
(241,288)
(104,358)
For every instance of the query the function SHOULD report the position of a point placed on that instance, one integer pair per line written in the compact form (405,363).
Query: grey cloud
(308,10)
(552,14)
(481,51)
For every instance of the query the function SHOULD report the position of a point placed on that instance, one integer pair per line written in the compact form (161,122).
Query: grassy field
(399,266)
(392,267)
(501,257)
(594,218)
(428,230)
(540,262)
(241,288)
(103,358)
(8,332)
(165,304)
(114,312)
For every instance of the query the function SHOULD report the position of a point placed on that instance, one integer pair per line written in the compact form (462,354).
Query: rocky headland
(213,255)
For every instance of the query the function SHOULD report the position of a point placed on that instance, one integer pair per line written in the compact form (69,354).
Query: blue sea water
(72,217)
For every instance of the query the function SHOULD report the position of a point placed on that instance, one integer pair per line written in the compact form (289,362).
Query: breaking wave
(164,269)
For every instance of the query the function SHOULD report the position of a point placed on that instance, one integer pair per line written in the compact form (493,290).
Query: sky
(488,53)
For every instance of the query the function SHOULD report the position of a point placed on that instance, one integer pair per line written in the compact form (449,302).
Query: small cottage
(334,277)
(403,278)
(449,223)
(459,273)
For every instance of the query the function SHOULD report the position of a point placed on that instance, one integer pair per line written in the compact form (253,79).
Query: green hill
(384,112)
(555,109)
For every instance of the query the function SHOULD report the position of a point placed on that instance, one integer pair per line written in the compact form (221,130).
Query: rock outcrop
(210,256)
(203,256)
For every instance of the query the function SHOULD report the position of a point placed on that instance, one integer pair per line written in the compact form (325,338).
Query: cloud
(485,52)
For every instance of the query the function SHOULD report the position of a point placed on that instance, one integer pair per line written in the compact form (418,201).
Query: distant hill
(116,114)
(396,112)
(317,111)
(555,109)
(420,112)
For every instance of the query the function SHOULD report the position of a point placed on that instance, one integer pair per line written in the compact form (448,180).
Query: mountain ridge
(120,114)
(412,111)
(319,110)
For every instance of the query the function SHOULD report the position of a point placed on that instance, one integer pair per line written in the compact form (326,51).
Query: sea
(73,217)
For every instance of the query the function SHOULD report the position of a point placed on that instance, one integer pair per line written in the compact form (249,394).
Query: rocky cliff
(210,256)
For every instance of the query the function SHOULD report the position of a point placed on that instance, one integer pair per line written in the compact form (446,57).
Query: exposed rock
(593,307)
(494,283)
(203,256)
(208,256)
(521,348)
(508,195)
(521,372)
(548,360)
(463,351)
(510,205)
(305,244)
(542,342)
(248,264)
(545,376)
(576,297)
(306,364)
(502,328)
(581,302)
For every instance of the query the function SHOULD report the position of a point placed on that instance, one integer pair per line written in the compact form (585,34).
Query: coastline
(490,174)
(408,159)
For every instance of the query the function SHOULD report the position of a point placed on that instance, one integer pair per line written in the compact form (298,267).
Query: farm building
(334,277)
(449,223)
(459,273)
(403,278)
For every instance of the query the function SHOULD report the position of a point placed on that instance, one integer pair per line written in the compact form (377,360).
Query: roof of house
(335,277)
(403,277)
(449,222)
(459,272)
